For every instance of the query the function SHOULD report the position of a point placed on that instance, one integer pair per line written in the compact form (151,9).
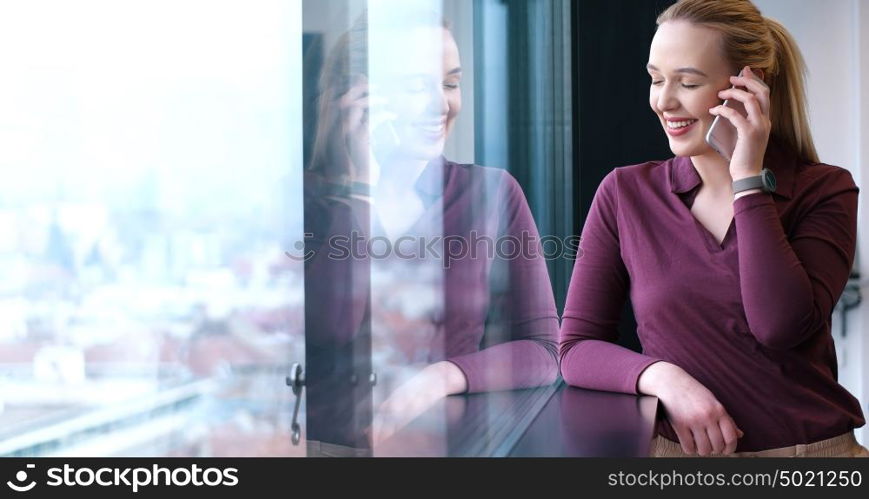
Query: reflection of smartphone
(384,137)
(722,134)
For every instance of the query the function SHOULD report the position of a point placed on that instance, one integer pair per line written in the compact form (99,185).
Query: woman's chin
(683,149)
(423,152)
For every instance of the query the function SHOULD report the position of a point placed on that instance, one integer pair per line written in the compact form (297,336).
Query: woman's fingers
(367,109)
(359,89)
(749,101)
(386,420)
(755,85)
(356,116)
(739,121)
(730,433)
(720,438)
(716,438)
(686,439)
(701,440)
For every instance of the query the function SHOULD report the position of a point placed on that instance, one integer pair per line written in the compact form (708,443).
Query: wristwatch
(346,189)
(765,181)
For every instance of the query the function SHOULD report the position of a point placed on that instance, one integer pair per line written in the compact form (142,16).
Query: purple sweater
(748,318)
(499,323)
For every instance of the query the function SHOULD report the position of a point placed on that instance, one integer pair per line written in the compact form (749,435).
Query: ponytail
(788,95)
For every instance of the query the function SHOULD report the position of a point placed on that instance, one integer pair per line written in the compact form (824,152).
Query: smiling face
(688,69)
(421,85)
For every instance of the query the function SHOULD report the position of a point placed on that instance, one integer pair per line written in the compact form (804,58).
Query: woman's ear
(759,73)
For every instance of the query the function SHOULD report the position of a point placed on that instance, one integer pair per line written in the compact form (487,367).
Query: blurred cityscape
(123,335)
(151,188)
(151,185)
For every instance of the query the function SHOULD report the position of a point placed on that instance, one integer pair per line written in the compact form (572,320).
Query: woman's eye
(686,85)
(451,86)
(657,82)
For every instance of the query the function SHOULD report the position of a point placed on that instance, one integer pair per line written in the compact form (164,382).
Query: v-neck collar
(685,181)
(431,186)
(684,177)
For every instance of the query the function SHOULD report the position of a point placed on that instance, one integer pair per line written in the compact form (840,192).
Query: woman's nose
(667,99)
(438,102)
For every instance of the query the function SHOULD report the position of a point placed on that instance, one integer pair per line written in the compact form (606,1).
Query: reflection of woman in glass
(733,284)
(493,324)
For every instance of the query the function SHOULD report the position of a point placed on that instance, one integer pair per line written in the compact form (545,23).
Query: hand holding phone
(722,134)
(360,126)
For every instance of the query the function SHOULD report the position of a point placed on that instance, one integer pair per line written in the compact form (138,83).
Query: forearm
(602,365)
(776,290)
(508,366)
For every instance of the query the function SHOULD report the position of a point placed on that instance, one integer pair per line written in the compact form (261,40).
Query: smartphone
(384,137)
(722,134)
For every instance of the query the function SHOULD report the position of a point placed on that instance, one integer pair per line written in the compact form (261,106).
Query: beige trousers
(844,445)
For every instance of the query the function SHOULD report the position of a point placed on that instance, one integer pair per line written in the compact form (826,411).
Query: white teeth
(432,128)
(679,124)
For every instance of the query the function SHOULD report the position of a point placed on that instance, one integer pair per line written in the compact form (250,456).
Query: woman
(487,321)
(732,288)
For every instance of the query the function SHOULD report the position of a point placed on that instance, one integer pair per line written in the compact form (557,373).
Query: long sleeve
(528,356)
(598,290)
(791,282)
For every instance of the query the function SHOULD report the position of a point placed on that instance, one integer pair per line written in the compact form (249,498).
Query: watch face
(768,180)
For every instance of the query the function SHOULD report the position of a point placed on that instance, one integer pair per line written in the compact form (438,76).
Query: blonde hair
(750,39)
